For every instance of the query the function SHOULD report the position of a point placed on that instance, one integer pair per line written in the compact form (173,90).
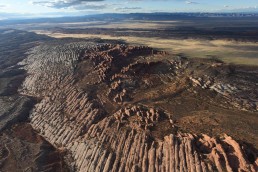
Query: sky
(53,8)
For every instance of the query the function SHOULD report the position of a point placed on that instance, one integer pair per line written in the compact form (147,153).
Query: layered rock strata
(124,136)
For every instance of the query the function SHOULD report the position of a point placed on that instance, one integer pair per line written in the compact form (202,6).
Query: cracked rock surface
(21,148)
(126,108)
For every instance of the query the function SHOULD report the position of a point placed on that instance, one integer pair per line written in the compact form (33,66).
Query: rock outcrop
(21,148)
(90,107)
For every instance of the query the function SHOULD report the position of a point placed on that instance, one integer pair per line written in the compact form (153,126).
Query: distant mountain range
(14,18)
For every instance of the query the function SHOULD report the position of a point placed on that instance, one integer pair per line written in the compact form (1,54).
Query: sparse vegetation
(104,100)
(226,50)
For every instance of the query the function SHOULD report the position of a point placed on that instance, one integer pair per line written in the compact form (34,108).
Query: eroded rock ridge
(100,104)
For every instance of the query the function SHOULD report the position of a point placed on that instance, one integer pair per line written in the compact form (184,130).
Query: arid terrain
(231,39)
(92,100)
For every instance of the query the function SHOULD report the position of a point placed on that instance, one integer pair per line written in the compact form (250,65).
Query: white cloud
(191,2)
(3,6)
(127,8)
(76,4)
